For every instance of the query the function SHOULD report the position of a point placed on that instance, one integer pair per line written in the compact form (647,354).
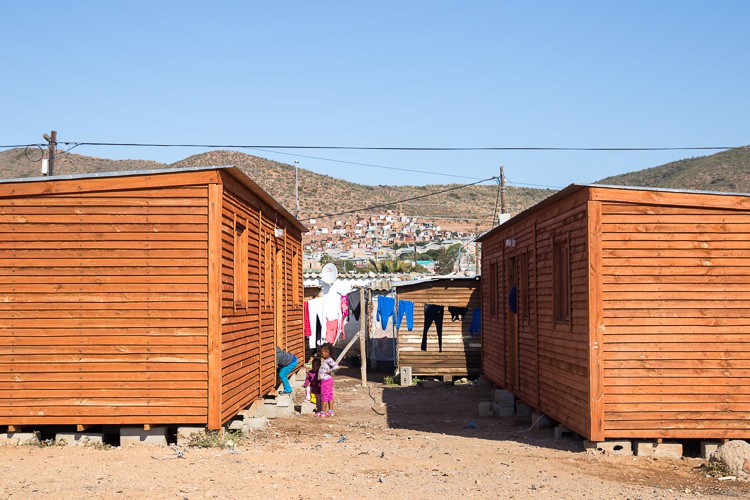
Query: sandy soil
(383,443)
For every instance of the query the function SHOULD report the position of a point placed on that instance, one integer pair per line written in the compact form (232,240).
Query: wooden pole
(52,142)
(503,204)
(363,331)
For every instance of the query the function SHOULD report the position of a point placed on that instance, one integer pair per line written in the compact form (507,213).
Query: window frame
(561,281)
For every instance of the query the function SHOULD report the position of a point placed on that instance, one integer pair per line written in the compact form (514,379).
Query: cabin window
(240,265)
(493,289)
(561,280)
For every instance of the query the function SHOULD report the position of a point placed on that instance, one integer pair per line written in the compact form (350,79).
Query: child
(312,384)
(286,362)
(325,375)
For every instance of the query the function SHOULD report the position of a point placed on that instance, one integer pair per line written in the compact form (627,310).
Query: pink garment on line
(332,327)
(306,314)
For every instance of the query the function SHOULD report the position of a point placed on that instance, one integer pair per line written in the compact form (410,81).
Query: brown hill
(727,171)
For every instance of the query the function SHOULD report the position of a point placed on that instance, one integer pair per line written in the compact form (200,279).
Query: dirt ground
(385,442)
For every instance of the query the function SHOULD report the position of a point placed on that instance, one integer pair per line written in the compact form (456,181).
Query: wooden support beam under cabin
(15,428)
(83,427)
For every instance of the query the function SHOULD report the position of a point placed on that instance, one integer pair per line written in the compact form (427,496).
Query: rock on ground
(735,455)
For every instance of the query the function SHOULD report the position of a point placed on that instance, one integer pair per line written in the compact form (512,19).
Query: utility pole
(296,185)
(503,205)
(52,142)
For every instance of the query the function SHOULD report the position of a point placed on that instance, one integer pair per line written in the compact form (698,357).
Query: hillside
(319,194)
(727,171)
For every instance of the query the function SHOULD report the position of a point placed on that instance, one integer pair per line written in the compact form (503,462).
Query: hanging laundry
(353,325)
(405,308)
(315,316)
(433,313)
(476,321)
(332,328)
(344,305)
(306,319)
(386,309)
(457,313)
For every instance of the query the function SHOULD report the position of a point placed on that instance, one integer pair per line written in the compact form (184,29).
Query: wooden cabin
(151,297)
(633,311)
(461,355)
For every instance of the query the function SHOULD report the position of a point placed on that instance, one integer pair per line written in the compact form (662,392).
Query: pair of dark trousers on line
(433,313)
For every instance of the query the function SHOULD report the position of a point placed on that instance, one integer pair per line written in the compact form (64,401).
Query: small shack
(631,312)
(148,297)
(460,355)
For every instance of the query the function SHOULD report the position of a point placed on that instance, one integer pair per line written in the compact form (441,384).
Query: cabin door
(512,305)
(278,312)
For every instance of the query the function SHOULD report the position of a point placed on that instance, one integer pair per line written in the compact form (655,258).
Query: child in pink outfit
(325,375)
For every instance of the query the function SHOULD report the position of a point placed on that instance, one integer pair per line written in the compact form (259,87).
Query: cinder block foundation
(485,409)
(17,438)
(622,447)
(236,424)
(255,424)
(503,411)
(505,398)
(405,376)
(540,420)
(708,448)
(283,400)
(658,450)
(283,411)
(562,432)
(523,412)
(138,435)
(79,438)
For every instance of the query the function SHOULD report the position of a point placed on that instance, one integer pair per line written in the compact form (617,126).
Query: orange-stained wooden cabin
(633,316)
(151,297)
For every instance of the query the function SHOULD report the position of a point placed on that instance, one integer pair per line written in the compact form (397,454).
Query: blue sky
(388,73)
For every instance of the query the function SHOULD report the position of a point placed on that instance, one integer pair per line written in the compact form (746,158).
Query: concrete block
(283,411)
(503,411)
(284,400)
(79,438)
(523,412)
(138,435)
(184,434)
(405,376)
(430,384)
(261,410)
(562,432)
(235,424)
(708,448)
(483,383)
(308,408)
(540,420)
(485,409)
(658,450)
(18,438)
(505,398)
(622,447)
(255,424)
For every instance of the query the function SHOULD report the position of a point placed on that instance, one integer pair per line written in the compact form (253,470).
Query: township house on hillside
(631,312)
(150,297)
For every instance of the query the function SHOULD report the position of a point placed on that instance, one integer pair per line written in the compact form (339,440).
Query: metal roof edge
(119,173)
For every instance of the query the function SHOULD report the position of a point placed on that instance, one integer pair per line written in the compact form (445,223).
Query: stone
(505,398)
(708,447)
(18,438)
(621,447)
(79,438)
(307,408)
(658,450)
(485,409)
(523,412)
(405,376)
(733,455)
(255,424)
(184,434)
(138,435)
(501,411)
(540,420)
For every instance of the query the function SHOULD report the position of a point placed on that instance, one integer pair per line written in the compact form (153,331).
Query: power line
(391,148)
(381,205)
(525,184)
